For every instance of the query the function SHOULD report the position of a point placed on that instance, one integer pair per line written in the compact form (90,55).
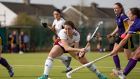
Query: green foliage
(24,19)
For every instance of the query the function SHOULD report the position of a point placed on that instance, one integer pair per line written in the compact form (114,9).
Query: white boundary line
(62,66)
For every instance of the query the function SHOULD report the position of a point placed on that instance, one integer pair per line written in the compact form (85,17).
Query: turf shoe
(121,75)
(68,61)
(67,70)
(43,77)
(102,76)
(116,72)
(11,72)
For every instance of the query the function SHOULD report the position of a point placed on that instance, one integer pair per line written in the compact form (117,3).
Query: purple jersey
(135,27)
(120,23)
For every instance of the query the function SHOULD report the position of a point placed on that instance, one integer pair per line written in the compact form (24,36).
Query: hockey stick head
(98,25)
(44,25)
(68,75)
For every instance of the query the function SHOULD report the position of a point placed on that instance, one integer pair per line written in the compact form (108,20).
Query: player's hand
(82,53)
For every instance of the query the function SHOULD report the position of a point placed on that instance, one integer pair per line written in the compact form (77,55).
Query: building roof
(96,12)
(31,9)
(108,11)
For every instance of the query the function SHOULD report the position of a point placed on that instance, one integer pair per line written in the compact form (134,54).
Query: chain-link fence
(40,38)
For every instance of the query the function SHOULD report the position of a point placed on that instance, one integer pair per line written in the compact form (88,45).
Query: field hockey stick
(98,25)
(85,65)
(45,25)
(93,34)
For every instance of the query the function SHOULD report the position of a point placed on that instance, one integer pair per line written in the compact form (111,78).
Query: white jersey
(58,24)
(76,37)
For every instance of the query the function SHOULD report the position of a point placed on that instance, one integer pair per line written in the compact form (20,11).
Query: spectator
(26,42)
(21,43)
(13,42)
(99,42)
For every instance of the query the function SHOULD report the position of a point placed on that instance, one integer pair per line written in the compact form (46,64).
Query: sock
(93,68)
(131,64)
(64,59)
(48,65)
(5,63)
(117,62)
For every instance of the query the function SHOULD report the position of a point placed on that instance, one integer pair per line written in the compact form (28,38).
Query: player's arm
(52,28)
(68,48)
(121,44)
(114,32)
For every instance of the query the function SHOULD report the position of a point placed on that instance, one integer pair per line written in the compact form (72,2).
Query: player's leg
(91,67)
(4,62)
(55,52)
(66,60)
(21,48)
(116,59)
(127,48)
(132,62)
(127,51)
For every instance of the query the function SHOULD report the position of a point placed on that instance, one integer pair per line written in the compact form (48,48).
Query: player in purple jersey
(134,16)
(4,62)
(122,27)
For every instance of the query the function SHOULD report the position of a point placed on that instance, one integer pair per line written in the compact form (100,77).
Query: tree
(23,19)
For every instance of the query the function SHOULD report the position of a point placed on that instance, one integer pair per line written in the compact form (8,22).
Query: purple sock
(5,63)
(131,64)
(117,61)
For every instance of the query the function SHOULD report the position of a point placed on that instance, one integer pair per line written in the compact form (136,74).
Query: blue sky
(102,3)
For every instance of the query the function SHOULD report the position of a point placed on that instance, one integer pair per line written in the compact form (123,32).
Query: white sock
(48,65)
(93,68)
(63,57)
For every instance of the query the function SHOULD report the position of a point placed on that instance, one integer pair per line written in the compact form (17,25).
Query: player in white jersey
(69,42)
(56,27)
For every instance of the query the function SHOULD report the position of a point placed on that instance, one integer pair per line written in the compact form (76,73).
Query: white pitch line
(60,66)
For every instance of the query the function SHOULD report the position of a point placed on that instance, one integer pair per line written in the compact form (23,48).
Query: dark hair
(121,6)
(70,23)
(57,10)
(135,11)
